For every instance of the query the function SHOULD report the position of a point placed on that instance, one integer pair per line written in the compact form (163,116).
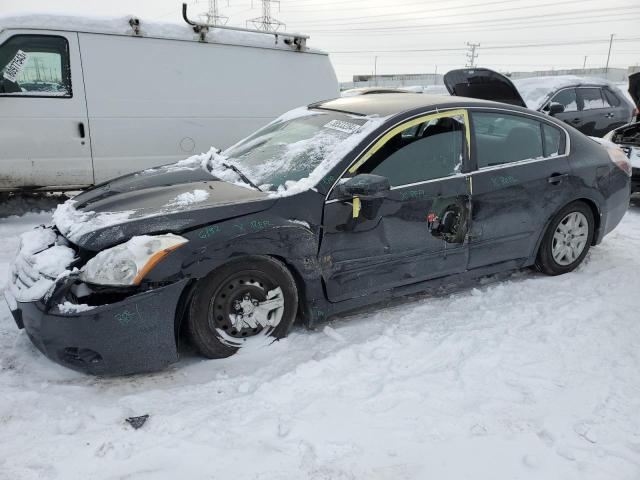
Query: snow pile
(189,198)
(38,263)
(74,223)
(535,91)
(71,308)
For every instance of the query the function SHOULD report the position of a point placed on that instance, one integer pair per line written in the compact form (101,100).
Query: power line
(494,22)
(352,20)
(524,24)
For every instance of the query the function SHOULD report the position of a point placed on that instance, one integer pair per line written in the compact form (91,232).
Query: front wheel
(567,240)
(249,297)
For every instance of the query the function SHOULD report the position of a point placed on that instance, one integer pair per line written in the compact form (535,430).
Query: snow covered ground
(524,376)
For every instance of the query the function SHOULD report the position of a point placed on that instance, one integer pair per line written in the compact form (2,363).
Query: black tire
(213,323)
(545,261)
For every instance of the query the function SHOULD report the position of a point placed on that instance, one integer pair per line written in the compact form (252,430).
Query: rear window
(591,98)
(552,140)
(503,138)
(612,98)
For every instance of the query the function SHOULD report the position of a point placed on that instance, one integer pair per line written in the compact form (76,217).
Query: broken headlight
(128,263)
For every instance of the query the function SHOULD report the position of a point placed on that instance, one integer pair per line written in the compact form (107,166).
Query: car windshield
(290,149)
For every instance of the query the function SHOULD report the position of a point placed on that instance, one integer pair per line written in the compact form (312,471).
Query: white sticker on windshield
(341,126)
(15,66)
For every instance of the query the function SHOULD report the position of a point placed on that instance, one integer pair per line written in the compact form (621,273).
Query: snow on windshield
(291,154)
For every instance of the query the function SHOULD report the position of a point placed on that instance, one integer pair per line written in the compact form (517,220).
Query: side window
(566,98)
(591,98)
(503,138)
(35,65)
(432,150)
(553,144)
(611,98)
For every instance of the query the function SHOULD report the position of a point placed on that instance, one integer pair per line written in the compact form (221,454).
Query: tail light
(617,156)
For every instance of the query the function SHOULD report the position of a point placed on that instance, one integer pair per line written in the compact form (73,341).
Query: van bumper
(135,335)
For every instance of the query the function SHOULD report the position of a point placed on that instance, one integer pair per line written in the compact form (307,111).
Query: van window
(432,150)
(35,65)
(503,138)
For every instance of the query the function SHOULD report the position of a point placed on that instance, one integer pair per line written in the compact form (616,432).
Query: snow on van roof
(536,90)
(120,26)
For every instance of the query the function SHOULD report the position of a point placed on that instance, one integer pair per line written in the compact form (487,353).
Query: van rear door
(44,134)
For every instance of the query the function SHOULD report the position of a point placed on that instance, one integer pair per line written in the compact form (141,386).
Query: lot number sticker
(346,127)
(15,66)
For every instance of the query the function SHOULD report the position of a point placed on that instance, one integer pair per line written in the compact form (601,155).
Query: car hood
(483,84)
(164,199)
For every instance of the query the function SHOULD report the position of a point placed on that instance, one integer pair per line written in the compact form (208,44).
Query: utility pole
(471,54)
(213,17)
(606,69)
(584,64)
(266,22)
(375,70)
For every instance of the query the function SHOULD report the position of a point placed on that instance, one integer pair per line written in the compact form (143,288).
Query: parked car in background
(335,206)
(83,101)
(590,105)
(627,137)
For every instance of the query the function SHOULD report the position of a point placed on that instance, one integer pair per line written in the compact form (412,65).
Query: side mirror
(555,108)
(365,186)
(367,191)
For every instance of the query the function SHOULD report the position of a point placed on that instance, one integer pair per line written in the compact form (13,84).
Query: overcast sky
(514,35)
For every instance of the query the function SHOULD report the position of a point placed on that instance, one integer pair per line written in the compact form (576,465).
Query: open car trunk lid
(484,84)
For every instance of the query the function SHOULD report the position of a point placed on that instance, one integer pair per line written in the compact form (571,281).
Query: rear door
(596,112)
(522,178)
(44,134)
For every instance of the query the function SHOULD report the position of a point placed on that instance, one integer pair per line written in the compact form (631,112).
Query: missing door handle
(81,129)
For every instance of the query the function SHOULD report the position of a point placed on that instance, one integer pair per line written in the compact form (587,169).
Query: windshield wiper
(242,176)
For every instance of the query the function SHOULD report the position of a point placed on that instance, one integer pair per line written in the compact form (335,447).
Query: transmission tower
(266,22)
(213,17)
(471,54)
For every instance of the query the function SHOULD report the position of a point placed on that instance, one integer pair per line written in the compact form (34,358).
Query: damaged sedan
(332,207)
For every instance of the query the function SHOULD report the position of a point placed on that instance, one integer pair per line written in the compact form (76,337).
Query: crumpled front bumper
(134,335)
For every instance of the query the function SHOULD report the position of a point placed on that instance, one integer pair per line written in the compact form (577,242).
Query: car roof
(387,104)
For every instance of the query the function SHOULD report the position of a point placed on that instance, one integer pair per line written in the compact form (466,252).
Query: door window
(566,98)
(552,140)
(504,138)
(35,65)
(432,150)
(591,98)
(610,98)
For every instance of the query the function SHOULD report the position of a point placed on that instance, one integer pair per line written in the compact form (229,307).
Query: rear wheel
(249,297)
(567,240)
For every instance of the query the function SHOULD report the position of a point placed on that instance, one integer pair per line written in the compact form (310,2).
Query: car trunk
(484,84)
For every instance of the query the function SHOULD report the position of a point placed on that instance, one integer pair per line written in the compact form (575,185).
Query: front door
(44,133)
(523,177)
(418,231)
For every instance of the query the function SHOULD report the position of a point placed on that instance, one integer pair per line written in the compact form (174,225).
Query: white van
(83,101)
